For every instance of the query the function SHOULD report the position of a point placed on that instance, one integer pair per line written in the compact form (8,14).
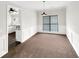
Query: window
(50,23)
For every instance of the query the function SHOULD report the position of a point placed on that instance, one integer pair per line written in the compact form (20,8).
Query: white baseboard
(53,33)
(75,49)
(73,46)
(3,53)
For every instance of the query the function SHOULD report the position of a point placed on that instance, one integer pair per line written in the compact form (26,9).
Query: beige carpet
(43,46)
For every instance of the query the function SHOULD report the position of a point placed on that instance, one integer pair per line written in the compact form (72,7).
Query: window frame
(50,23)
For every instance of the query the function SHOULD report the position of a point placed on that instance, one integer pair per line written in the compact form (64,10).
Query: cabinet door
(18,35)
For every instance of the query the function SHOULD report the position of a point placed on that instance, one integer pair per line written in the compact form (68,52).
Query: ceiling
(38,5)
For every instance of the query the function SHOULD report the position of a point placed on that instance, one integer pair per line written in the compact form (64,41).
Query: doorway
(13,25)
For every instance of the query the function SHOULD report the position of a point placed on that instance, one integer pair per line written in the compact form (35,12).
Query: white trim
(3,53)
(71,40)
(73,46)
(52,32)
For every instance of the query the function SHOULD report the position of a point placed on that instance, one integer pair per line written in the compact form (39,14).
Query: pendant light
(12,10)
(44,13)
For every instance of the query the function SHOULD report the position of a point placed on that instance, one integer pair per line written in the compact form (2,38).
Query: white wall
(28,19)
(61,19)
(72,28)
(29,23)
(3,29)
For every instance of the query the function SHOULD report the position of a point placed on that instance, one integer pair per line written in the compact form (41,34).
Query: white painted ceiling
(38,5)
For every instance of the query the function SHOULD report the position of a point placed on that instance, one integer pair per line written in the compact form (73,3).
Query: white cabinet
(18,35)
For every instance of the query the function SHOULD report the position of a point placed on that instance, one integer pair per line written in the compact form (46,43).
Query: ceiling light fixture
(44,13)
(12,10)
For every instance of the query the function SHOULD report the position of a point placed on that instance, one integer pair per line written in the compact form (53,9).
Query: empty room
(39,29)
